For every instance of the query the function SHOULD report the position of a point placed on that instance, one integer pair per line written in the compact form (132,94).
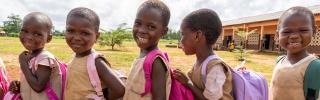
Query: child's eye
(70,31)
(37,34)
(136,24)
(151,27)
(85,33)
(23,31)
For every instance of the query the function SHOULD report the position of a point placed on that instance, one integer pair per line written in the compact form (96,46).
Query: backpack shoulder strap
(147,68)
(93,75)
(311,83)
(49,91)
(279,58)
(204,68)
(63,68)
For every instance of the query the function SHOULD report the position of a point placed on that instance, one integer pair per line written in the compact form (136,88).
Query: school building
(265,35)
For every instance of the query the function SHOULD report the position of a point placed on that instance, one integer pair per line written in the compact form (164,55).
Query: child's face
(187,39)
(34,34)
(148,27)
(295,32)
(80,34)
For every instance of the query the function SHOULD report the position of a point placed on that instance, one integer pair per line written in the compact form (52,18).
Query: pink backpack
(4,77)
(50,93)
(94,77)
(247,84)
(177,92)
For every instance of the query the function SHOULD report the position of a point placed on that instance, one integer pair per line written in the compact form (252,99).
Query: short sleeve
(52,63)
(215,80)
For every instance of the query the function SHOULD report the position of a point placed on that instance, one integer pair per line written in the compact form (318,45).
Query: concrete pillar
(261,37)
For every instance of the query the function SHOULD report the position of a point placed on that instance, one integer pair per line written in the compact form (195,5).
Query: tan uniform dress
(195,76)
(78,84)
(47,59)
(135,84)
(287,81)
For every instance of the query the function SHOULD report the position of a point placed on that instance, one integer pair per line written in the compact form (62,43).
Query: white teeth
(142,39)
(294,43)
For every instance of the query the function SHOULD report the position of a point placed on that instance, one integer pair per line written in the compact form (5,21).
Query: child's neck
(203,54)
(36,52)
(144,52)
(296,57)
(88,52)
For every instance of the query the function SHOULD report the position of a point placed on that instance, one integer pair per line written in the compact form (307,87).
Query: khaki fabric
(287,82)
(135,84)
(78,84)
(195,76)
(27,93)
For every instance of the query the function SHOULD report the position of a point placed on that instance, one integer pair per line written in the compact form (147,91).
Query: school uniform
(287,79)
(47,59)
(135,84)
(78,84)
(218,84)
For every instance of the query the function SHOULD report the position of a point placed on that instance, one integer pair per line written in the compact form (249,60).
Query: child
(200,30)
(232,46)
(296,27)
(4,79)
(150,25)
(39,66)
(82,31)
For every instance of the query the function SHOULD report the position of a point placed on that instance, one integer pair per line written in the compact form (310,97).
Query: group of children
(200,29)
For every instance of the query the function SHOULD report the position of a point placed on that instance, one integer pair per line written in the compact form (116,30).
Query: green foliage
(13,25)
(173,35)
(243,33)
(57,32)
(241,53)
(114,37)
(262,50)
(13,35)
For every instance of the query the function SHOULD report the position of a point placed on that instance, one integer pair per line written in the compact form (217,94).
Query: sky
(114,12)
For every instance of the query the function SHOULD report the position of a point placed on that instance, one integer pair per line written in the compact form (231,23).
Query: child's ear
(97,36)
(49,38)
(315,31)
(198,35)
(165,32)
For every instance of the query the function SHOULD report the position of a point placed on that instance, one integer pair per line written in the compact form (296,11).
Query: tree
(13,25)
(173,35)
(114,37)
(244,32)
(240,52)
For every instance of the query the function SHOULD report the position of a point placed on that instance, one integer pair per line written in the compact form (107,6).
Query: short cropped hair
(87,14)
(40,16)
(165,11)
(298,9)
(207,21)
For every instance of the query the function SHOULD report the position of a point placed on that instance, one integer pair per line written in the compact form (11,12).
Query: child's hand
(24,57)
(14,86)
(181,77)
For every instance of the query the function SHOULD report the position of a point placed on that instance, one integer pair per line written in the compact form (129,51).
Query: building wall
(254,41)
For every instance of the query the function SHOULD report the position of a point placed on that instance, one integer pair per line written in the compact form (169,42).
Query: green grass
(123,57)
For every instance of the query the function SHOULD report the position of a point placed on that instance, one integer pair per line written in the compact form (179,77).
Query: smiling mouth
(142,40)
(28,44)
(76,45)
(294,43)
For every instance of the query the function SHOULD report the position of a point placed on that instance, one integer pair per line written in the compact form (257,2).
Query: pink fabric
(177,92)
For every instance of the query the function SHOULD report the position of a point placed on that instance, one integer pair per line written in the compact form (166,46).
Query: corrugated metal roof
(264,17)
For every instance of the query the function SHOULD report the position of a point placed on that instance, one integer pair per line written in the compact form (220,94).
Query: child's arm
(1,92)
(158,77)
(112,81)
(185,81)
(38,81)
